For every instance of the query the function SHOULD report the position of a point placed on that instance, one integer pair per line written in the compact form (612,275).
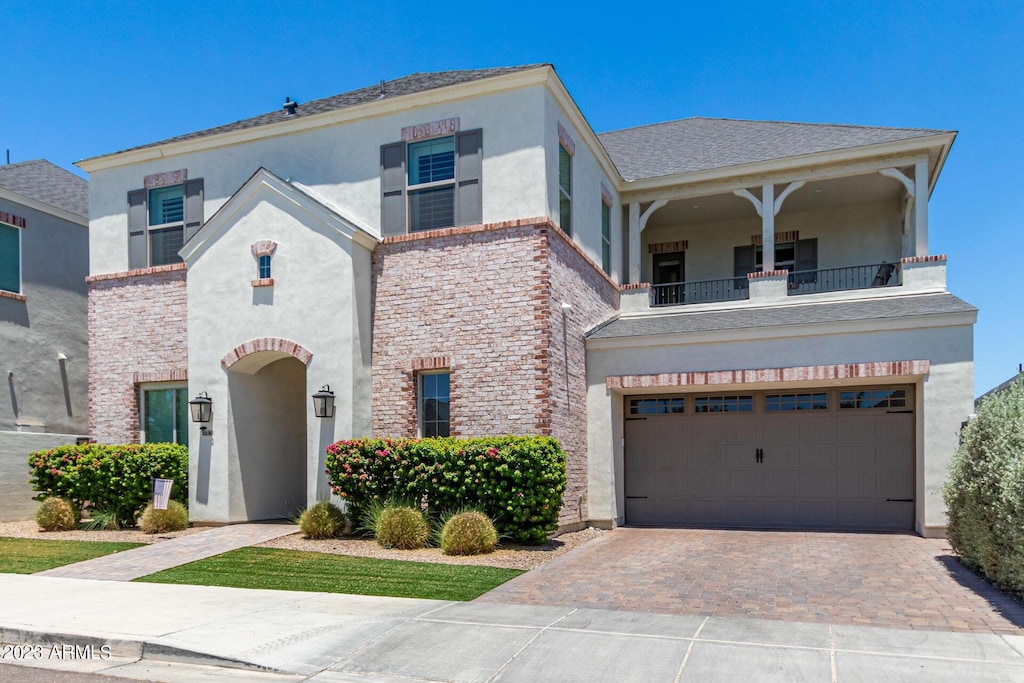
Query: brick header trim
(666,247)
(435,363)
(138,272)
(266,344)
(767,273)
(263,248)
(790,236)
(566,140)
(167,178)
(430,130)
(935,258)
(12,295)
(162,376)
(907,368)
(635,285)
(11,219)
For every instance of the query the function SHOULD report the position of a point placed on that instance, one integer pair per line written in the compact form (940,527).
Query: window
(10,258)
(668,273)
(264,267)
(873,398)
(434,403)
(801,255)
(165,415)
(161,220)
(432,168)
(655,406)
(785,256)
(606,237)
(565,189)
(431,184)
(787,402)
(723,404)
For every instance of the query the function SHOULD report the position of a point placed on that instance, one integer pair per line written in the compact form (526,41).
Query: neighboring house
(1002,387)
(44,258)
(726,323)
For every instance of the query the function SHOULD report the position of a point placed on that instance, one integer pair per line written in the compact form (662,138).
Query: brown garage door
(828,459)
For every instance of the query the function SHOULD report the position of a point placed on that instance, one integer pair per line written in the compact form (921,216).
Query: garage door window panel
(787,402)
(655,406)
(723,404)
(873,398)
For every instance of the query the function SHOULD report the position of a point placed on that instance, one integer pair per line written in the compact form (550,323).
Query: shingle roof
(406,85)
(780,316)
(42,181)
(698,144)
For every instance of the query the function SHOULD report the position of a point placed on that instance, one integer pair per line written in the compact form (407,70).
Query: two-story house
(724,322)
(44,258)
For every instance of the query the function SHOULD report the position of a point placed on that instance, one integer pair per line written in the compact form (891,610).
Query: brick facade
(137,331)
(485,302)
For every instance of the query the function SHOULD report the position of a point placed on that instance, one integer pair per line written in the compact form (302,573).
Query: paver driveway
(894,580)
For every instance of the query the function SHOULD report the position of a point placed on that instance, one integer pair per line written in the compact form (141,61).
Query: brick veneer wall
(593,298)
(486,302)
(137,331)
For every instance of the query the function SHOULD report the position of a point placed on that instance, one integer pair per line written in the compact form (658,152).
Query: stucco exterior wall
(341,163)
(847,236)
(319,300)
(944,395)
(40,392)
(587,179)
(137,332)
(15,491)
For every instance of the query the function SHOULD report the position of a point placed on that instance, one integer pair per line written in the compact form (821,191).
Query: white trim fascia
(786,169)
(37,205)
(391,105)
(227,214)
(579,121)
(832,328)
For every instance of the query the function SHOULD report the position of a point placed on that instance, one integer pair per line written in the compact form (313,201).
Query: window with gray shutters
(161,220)
(431,184)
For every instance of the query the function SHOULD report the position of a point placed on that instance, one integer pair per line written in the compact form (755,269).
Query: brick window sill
(12,295)
(263,282)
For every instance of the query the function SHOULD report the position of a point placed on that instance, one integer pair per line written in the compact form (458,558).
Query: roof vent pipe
(289,106)
(382,87)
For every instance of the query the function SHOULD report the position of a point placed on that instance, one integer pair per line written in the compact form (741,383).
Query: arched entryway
(267,397)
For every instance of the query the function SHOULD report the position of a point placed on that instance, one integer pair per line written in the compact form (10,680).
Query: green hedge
(985,492)
(517,481)
(112,478)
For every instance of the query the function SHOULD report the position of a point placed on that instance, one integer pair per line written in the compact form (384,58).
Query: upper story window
(10,258)
(264,267)
(606,237)
(795,256)
(161,219)
(565,189)
(431,183)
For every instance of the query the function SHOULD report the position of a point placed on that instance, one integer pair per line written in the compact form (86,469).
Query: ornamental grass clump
(469,532)
(154,521)
(56,514)
(403,527)
(322,520)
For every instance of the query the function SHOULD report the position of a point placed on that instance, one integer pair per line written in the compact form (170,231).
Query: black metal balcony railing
(698,292)
(850,277)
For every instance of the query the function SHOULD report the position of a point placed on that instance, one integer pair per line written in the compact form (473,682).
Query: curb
(137,649)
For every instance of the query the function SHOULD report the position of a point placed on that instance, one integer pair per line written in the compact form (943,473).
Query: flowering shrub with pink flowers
(111,478)
(517,480)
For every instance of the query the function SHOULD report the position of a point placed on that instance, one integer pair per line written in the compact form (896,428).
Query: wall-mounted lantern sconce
(202,408)
(323,402)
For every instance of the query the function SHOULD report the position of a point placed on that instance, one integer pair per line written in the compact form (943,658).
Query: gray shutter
(469,146)
(137,223)
(744,261)
(806,255)
(392,185)
(193,207)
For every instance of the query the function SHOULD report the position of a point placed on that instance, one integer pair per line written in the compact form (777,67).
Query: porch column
(637,223)
(768,226)
(908,240)
(921,208)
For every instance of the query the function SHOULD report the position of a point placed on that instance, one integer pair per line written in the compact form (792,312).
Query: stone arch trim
(252,346)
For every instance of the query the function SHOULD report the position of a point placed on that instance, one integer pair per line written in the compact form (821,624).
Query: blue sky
(82,79)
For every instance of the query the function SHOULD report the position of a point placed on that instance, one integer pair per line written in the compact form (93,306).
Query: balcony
(914,274)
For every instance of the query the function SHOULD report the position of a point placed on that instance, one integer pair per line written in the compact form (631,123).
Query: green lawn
(308,571)
(28,555)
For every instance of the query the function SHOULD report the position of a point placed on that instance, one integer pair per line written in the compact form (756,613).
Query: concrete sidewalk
(171,633)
